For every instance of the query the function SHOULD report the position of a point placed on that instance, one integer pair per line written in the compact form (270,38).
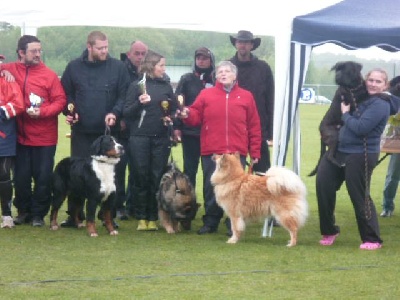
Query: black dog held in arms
(88,178)
(351,90)
(176,200)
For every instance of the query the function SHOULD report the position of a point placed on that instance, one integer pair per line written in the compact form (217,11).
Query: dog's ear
(95,148)
(337,66)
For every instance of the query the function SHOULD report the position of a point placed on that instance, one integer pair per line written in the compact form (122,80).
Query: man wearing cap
(37,128)
(189,86)
(256,76)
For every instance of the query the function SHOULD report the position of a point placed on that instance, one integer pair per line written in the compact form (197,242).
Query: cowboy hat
(244,35)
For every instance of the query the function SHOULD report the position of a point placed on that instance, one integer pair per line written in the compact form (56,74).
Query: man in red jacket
(37,133)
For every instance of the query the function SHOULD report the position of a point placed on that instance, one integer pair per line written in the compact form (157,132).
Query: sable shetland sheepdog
(245,197)
(88,178)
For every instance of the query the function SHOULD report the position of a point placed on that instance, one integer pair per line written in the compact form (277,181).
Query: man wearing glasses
(37,133)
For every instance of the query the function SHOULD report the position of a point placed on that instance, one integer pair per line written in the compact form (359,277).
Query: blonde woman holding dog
(358,152)
(229,123)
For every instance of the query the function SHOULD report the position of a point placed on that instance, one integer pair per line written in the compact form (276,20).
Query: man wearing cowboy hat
(256,76)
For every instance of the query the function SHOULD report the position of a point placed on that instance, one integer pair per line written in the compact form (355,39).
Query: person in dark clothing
(189,86)
(256,76)
(147,110)
(11,105)
(124,199)
(96,86)
(358,151)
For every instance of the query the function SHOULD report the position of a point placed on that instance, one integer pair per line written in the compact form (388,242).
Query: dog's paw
(170,230)
(114,232)
(81,225)
(232,240)
(94,234)
(290,244)
(54,227)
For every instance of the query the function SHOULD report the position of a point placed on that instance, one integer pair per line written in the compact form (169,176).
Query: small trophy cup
(35,101)
(181,105)
(166,110)
(71,110)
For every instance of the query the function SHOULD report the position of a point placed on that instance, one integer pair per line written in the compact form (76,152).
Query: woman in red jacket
(229,123)
(11,104)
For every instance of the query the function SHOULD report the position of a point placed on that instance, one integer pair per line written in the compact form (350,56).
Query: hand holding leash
(110,119)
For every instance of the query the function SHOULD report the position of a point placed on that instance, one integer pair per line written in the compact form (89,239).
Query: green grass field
(66,264)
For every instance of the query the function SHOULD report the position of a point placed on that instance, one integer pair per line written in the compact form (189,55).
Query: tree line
(62,44)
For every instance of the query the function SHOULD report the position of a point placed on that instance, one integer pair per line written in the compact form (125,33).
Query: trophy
(71,110)
(142,84)
(166,110)
(181,105)
(35,101)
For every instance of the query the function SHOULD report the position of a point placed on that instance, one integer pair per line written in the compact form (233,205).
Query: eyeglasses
(34,51)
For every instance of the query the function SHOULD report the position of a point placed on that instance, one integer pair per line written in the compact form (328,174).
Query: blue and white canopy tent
(351,24)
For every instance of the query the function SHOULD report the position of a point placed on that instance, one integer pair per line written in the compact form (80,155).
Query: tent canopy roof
(351,24)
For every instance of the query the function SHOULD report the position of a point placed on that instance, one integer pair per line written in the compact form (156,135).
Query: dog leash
(107,130)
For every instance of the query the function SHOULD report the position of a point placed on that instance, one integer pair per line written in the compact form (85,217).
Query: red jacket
(229,121)
(43,82)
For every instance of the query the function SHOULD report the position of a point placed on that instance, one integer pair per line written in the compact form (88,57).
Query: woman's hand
(144,98)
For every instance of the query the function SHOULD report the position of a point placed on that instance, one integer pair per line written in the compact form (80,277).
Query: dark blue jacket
(368,122)
(96,89)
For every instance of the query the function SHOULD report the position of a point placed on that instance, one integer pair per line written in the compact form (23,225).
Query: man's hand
(110,119)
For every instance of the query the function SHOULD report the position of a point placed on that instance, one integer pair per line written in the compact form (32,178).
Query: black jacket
(190,85)
(256,76)
(96,89)
(146,119)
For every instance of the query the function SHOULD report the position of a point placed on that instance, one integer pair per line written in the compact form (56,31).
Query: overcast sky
(209,15)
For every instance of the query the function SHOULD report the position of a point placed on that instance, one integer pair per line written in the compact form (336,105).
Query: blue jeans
(391,182)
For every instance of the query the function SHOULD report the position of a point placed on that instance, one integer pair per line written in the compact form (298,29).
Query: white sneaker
(7,222)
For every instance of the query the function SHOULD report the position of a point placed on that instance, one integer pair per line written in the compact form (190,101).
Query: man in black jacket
(256,76)
(125,199)
(96,85)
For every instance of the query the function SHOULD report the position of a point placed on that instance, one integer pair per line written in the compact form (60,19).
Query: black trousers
(149,157)
(264,163)
(32,179)
(191,156)
(328,181)
(213,212)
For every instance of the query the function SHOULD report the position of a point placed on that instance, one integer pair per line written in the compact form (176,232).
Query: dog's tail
(281,181)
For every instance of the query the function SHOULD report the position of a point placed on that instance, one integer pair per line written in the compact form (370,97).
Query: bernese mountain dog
(91,179)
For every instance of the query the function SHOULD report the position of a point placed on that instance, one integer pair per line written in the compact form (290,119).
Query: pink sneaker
(328,240)
(370,246)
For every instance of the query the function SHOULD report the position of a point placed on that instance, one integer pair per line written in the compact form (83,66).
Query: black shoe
(22,218)
(122,215)
(68,223)
(206,229)
(37,222)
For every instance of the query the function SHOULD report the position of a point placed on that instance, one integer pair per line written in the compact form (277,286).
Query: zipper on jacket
(227,121)
(23,135)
